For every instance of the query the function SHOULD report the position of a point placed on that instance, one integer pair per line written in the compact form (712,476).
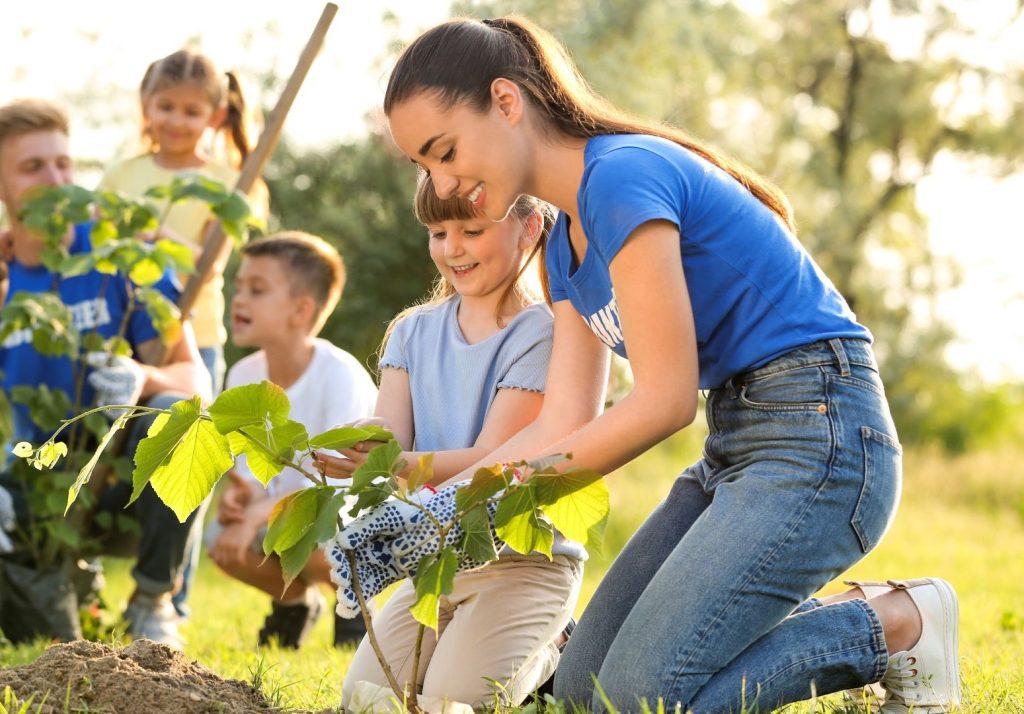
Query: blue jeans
(704,607)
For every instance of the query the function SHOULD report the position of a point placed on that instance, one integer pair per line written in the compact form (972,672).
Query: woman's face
(479,156)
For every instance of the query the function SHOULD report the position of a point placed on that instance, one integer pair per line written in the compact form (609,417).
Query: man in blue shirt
(33,153)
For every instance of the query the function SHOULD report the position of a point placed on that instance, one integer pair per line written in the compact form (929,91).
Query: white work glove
(117,380)
(7,520)
(389,542)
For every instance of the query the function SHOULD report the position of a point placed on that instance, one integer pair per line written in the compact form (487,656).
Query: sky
(94,58)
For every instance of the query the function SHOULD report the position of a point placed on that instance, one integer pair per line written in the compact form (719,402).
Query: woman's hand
(342,467)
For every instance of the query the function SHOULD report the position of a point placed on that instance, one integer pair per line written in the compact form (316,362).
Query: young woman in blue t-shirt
(460,374)
(690,261)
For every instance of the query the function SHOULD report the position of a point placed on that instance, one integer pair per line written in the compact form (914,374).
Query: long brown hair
(460,59)
(430,209)
(223,90)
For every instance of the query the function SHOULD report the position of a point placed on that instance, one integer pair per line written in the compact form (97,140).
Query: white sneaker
(926,678)
(154,618)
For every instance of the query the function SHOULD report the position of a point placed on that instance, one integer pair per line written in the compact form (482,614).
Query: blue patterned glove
(389,542)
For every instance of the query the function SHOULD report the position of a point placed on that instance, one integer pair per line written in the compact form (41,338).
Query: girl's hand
(342,467)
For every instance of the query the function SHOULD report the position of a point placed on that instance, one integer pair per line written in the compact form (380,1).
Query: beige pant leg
(396,631)
(506,616)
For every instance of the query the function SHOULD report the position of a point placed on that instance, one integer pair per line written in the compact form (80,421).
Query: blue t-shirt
(97,302)
(452,382)
(755,292)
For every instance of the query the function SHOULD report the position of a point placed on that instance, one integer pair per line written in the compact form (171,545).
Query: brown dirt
(143,677)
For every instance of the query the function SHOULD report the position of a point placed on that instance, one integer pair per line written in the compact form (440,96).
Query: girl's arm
(657,322)
(511,410)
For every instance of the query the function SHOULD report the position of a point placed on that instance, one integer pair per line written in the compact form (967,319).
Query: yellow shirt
(188,219)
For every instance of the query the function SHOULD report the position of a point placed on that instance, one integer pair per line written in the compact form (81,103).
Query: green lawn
(961,518)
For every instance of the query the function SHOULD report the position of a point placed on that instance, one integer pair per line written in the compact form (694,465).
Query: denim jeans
(800,477)
(164,542)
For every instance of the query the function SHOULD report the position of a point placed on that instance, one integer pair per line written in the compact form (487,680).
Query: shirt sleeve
(530,369)
(395,355)
(553,260)
(626,188)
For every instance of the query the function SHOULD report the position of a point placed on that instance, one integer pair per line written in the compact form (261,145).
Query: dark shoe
(290,624)
(348,631)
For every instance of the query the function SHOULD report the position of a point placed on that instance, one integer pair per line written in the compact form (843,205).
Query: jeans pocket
(883,459)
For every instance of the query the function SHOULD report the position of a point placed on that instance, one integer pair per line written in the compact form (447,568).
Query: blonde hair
(314,267)
(460,59)
(27,116)
(430,208)
(222,89)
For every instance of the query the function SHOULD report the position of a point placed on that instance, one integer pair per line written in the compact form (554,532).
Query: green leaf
(345,437)
(177,254)
(118,346)
(266,450)
(477,541)
(576,502)
(485,484)
(183,459)
(434,577)
(146,271)
(264,403)
(78,264)
(46,407)
(232,208)
(381,461)
(369,497)
(264,466)
(102,232)
(163,313)
(294,559)
(86,473)
(518,522)
(291,518)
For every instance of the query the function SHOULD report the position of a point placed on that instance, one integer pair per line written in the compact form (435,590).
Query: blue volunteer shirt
(97,303)
(756,293)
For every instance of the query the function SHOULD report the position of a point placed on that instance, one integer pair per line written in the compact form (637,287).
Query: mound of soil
(143,677)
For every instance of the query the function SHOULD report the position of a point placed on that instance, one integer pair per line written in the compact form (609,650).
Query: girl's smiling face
(480,156)
(479,257)
(176,117)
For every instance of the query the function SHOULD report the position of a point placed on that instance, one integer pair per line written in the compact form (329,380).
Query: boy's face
(31,160)
(264,309)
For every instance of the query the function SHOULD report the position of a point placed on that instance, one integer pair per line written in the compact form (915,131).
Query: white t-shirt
(335,388)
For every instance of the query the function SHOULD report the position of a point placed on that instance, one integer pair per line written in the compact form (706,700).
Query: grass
(961,518)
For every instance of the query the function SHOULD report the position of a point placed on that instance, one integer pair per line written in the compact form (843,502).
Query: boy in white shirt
(286,286)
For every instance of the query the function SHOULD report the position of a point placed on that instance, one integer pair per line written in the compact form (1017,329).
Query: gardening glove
(389,542)
(116,379)
(7,520)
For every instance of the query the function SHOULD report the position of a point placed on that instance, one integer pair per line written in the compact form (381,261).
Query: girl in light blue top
(688,264)
(461,374)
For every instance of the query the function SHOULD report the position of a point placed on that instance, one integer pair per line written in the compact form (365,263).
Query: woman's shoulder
(635,154)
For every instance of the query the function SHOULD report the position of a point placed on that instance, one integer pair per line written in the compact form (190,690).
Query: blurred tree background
(808,92)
